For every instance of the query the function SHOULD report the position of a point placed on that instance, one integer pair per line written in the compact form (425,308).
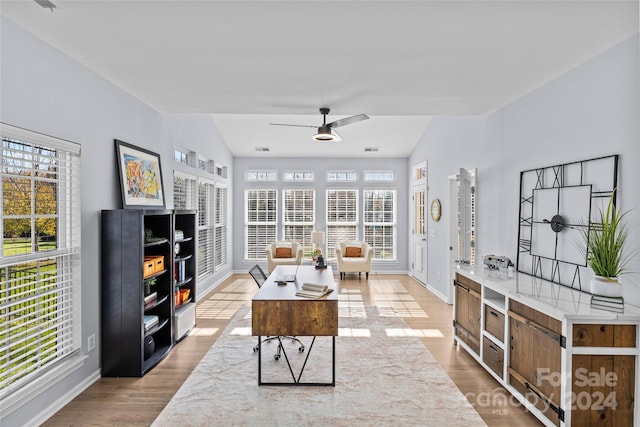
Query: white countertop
(550,298)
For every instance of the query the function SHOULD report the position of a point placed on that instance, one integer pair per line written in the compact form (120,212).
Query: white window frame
(295,228)
(375,219)
(298,176)
(221,226)
(254,247)
(206,227)
(261,175)
(342,176)
(62,288)
(339,230)
(379,176)
(185,196)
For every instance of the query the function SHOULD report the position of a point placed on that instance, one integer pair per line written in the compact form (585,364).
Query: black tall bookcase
(132,289)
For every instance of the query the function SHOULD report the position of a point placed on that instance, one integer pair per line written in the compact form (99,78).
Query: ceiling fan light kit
(325,132)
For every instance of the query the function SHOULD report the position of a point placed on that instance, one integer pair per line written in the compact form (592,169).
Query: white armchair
(283,253)
(353,257)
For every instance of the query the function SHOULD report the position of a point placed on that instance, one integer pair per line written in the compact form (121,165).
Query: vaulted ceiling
(251,63)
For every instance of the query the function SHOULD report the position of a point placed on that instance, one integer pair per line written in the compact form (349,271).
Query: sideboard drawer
(493,356)
(604,335)
(494,322)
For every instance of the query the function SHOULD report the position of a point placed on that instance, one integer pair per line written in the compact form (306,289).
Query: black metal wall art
(557,204)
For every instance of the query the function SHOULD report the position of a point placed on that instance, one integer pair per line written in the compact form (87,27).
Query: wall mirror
(466,216)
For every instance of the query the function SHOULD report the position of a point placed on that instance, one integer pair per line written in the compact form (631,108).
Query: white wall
(320,166)
(45,91)
(590,111)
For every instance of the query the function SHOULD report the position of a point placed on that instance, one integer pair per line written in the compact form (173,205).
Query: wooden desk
(277,311)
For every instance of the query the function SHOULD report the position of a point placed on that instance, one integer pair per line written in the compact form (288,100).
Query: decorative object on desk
(317,238)
(552,201)
(436,210)
(604,244)
(222,386)
(140,177)
(313,290)
(321,264)
(615,304)
(496,262)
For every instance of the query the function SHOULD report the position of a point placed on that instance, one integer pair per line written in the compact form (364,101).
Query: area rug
(384,377)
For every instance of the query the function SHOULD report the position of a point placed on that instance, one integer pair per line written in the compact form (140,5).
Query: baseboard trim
(60,403)
(431,289)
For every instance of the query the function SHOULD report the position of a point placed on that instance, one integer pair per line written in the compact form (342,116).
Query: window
(181,157)
(261,209)
(206,228)
(298,176)
(184,192)
(261,176)
(221,226)
(380,223)
(39,257)
(203,165)
(342,176)
(299,217)
(379,176)
(342,218)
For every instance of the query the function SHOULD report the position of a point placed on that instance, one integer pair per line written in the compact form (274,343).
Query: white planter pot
(606,286)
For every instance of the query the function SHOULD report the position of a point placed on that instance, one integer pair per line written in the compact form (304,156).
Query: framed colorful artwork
(140,177)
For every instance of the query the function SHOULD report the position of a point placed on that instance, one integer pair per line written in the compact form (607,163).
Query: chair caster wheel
(276,357)
(300,349)
(255,349)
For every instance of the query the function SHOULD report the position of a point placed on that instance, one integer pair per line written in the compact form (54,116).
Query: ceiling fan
(325,131)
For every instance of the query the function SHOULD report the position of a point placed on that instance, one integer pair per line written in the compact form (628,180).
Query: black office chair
(258,275)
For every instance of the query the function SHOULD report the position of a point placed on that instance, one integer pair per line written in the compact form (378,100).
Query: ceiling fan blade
(348,120)
(288,124)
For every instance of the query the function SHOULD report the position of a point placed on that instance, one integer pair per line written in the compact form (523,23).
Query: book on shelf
(313,290)
(150,321)
(150,299)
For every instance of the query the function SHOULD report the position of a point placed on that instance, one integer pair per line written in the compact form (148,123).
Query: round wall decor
(436,210)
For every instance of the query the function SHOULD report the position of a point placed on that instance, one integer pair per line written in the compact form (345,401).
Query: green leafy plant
(605,242)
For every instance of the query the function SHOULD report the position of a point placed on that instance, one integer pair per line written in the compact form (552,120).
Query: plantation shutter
(299,217)
(380,223)
(342,218)
(261,207)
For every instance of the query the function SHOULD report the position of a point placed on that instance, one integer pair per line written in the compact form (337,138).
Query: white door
(419,265)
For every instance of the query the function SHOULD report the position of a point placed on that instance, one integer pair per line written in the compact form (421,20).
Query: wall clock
(557,205)
(436,209)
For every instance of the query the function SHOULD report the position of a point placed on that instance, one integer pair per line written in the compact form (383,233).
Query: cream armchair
(354,257)
(278,254)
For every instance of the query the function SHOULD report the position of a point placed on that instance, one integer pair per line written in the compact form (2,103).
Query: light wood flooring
(137,401)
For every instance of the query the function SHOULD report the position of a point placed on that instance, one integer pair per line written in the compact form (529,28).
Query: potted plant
(607,256)
(315,254)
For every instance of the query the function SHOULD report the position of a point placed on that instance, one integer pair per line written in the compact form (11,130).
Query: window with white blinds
(342,218)
(298,212)
(206,228)
(184,192)
(379,213)
(261,217)
(39,257)
(221,226)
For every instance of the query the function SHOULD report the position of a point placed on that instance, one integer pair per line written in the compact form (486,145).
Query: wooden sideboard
(566,362)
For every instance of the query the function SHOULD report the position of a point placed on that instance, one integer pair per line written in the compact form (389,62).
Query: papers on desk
(313,290)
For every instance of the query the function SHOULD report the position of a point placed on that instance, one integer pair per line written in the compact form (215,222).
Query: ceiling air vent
(262,149)
(371,149)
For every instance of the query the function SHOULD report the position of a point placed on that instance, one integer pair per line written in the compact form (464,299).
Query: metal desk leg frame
(296,381)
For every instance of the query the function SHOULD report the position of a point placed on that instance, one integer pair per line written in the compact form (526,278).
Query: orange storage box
(153,264)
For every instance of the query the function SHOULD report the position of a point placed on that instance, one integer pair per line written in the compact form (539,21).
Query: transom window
(342,176)
(261,176)
(298,176)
